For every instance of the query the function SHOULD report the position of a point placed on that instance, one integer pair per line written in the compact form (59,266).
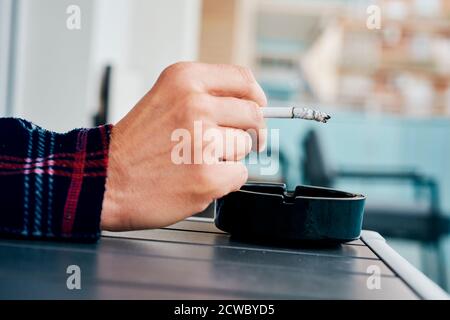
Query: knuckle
(247,79)
(248,142)
(168,71)
(191,101)
(243,145)
(210,188)
(193,107)
(243,176)
(199,106)
(205,178)
(246,74)
(256,113)
(178,69)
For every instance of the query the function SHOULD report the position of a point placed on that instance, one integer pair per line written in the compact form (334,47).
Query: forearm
(51,185)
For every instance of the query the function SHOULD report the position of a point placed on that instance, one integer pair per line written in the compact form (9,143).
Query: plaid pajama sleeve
(51,184)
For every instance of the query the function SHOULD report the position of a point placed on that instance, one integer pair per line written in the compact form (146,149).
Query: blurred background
(380,68)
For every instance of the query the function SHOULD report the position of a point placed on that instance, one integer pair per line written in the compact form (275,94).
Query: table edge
(415,279)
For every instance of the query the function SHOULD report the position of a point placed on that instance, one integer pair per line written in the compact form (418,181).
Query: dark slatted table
(194,260)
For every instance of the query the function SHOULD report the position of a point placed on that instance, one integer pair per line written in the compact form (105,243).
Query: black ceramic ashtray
(267,211)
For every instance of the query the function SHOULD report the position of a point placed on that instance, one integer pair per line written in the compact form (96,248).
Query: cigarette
(295,113)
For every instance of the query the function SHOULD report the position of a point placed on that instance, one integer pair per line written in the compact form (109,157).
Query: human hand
(145,187)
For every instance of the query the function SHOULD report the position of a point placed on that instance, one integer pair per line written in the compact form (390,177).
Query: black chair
(419,222)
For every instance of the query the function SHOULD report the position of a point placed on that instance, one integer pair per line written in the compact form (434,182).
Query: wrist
(112,218)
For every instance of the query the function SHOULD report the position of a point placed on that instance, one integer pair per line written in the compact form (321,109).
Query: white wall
(5,23)
(53,62)
(59,70)
(108,43)
(142,37)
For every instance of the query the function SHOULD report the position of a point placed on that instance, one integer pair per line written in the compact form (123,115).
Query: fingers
(237,144)
(226,144)
(237,113)
(231,81)
(229,177)
(241,114)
